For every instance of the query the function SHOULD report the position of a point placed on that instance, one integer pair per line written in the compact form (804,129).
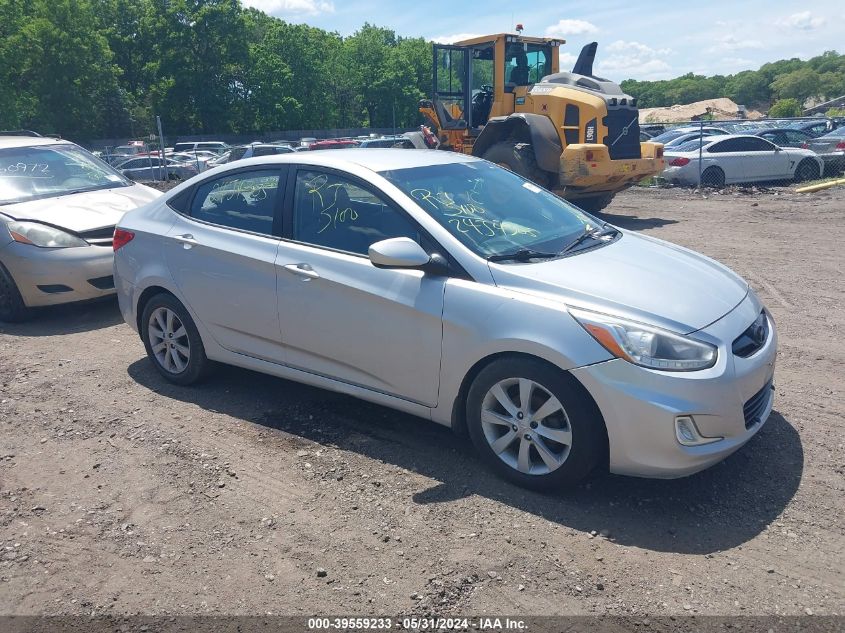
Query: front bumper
(587,169)
(49,276)
(639,405)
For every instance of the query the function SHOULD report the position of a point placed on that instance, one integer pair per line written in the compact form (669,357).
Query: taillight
(840,145)
(121,238)
(679,162)
(589,155)
(805,145)
(659,152)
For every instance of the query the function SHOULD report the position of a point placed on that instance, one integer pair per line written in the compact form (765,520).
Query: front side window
(491,210)
(244,201)
(337,213)
(29,173)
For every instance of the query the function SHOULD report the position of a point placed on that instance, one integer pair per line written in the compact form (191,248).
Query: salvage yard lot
(121,493)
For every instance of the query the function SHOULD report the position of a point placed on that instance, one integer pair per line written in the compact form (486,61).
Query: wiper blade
(589,233)
(522,255)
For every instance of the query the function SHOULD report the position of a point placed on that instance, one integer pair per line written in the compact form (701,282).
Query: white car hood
(637,277)
(83,211)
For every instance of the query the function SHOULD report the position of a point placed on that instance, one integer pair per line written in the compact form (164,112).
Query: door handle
(303,270)
(187,240)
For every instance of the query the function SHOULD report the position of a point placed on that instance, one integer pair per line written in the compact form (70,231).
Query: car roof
(376,159)
(29,141)
(778,129)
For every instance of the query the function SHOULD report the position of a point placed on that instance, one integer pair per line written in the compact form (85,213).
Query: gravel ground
(121,493)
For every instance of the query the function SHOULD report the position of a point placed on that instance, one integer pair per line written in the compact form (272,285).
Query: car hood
(83,211)
(636,277)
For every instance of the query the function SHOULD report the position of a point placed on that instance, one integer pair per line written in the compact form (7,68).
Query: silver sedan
(58,208)
(447,287)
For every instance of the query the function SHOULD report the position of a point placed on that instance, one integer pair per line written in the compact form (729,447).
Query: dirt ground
(121,493)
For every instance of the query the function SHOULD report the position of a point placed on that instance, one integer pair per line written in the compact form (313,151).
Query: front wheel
(594,204)
(12,307)
(518,158)
(533,425)
(172,340)
(807,170)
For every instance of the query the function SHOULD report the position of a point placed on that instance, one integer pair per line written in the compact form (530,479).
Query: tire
(713,177)
(12,307)
(174,363)
(576,422)
(807,170)
(594,204)
(518,158)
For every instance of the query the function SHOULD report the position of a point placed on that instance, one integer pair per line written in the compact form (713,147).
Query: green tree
(785,108)
(798,84)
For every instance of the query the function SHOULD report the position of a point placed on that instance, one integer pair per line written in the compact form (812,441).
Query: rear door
(222,251)
(341,316)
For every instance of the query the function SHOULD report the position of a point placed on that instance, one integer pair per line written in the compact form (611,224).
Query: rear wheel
(12,307)
(807,170)
(532,424)
(172,340)
(594,204)
(519,158)
(713,177)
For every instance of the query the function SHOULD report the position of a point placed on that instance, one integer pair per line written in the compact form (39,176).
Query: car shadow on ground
(715,510)
(70,318)
(633,222)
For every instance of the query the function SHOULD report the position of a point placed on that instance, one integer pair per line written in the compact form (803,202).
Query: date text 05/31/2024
(415,624)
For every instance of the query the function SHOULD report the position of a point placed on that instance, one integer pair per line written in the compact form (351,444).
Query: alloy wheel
(526,426)
(169,340)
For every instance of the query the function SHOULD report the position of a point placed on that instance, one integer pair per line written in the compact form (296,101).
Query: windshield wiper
(589,233)
(522,255)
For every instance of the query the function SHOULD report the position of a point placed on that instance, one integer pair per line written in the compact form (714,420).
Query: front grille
(753,338)
(621,145)
(103,283)
(753,409)
(99,237)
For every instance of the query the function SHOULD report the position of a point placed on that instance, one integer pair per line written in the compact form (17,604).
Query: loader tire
(594,204)
(518,158)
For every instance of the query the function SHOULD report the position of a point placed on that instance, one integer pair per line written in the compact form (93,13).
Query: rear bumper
(50,276)
(588,169)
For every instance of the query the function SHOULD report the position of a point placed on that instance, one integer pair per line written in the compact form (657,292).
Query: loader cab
(484,77)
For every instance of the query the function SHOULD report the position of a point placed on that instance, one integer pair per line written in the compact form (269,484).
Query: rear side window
(244,200)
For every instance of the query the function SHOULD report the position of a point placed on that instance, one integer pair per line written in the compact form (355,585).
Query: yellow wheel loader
(503,98)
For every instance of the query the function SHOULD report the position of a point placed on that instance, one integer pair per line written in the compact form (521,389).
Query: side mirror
(398,252)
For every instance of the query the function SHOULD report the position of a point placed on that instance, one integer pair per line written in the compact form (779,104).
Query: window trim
(430,244)
(278,208)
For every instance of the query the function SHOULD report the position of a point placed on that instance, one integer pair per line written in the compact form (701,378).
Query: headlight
(42,235)
(645,345)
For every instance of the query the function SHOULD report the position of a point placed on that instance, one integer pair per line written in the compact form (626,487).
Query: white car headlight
(645,345)
(43,235)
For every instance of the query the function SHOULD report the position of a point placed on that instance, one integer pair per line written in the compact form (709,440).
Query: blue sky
(640,40)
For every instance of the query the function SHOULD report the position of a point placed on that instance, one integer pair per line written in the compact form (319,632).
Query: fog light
(687,432)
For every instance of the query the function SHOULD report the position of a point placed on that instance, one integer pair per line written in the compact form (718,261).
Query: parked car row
(768,154)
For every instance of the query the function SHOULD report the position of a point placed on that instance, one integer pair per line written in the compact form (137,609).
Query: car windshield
(44,171)
(491,210)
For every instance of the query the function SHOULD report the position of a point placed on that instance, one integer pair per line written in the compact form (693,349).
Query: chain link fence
(749,153)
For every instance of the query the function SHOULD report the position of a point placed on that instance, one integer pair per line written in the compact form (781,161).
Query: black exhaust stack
(584,65)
